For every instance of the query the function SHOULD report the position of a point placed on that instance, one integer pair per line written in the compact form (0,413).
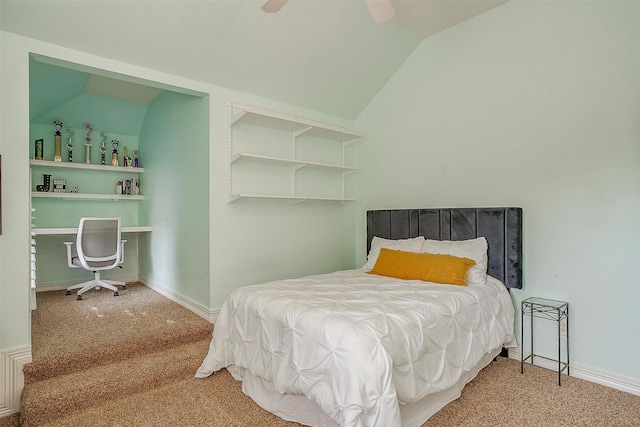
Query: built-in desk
(52,247)
(72,230)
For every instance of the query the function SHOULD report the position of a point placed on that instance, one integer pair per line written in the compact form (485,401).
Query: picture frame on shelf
(59,185)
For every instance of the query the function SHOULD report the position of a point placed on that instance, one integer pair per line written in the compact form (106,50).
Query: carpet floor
(70,335)
(153,385)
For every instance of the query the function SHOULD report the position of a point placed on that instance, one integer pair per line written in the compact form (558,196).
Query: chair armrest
(69,255)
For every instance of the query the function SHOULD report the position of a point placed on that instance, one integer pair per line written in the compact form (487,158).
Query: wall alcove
(167,125)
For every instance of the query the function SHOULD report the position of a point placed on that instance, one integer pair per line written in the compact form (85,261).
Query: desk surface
(72,230)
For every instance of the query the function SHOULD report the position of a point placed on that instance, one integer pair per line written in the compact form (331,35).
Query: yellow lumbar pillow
(436,268)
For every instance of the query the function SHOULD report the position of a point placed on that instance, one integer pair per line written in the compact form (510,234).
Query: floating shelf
(85,166)
(85,196)
(291,127)
(295,199)
(299,163)
(296,125)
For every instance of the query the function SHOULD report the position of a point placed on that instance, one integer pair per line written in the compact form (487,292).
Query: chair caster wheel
(115,294)
(79,298)
(68,293)
(124,287)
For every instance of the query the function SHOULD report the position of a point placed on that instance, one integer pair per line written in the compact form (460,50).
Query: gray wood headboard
(502,227)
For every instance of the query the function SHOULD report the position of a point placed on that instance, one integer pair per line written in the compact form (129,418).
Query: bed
(353,348)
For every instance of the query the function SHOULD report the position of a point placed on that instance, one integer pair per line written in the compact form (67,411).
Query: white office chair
(99,246)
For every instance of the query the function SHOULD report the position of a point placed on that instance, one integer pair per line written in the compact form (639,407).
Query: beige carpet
(154,384)
(69,335)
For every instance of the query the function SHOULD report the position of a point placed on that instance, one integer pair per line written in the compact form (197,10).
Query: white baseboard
(608,379)
(11,363)
(207,314)
(58,286)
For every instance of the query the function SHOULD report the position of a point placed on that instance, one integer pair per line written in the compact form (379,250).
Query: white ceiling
(325,55)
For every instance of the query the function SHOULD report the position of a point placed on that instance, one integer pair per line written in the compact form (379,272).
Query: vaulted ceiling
(324,55)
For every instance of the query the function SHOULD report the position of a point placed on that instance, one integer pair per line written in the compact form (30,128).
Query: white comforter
(357,344)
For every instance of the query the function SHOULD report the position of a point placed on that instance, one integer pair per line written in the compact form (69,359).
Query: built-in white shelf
(295,199)
(293,124)
(85,196)
(299,163)
(292,128)
(74,230)
(85,166)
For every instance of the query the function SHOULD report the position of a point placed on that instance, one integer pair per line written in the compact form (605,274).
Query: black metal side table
(551,310)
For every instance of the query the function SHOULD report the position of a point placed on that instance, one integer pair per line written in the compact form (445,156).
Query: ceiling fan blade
(381,10)
(272,6)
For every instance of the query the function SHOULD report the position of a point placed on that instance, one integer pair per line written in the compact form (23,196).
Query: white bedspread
(357,344)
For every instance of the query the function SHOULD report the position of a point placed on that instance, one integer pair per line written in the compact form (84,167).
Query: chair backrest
(98,243)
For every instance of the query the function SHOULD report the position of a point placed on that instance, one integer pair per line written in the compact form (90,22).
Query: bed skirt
(297,408)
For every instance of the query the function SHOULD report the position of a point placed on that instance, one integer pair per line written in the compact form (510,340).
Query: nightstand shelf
(548,309)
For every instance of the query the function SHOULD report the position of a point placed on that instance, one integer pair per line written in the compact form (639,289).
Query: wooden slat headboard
(502,227)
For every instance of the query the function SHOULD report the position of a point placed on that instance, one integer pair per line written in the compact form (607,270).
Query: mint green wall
(60,93)
(174,148)
(532,104)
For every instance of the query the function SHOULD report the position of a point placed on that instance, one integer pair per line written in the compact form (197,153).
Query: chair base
(97,284)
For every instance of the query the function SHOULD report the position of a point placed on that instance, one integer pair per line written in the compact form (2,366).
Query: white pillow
(475,249)
(407,245)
